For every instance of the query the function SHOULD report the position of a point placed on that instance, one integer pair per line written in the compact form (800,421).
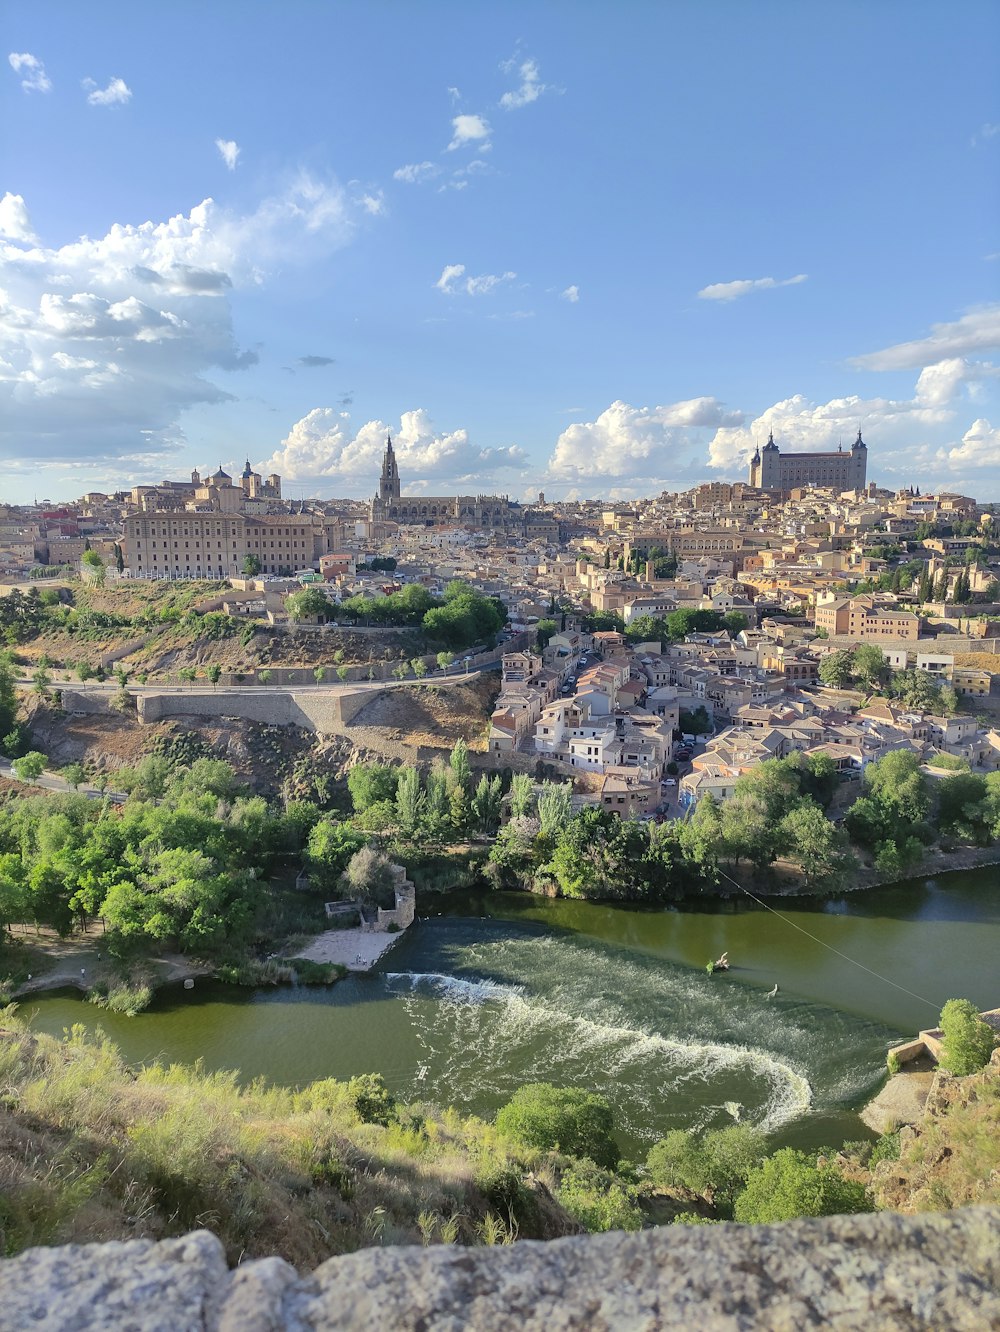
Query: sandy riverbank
(357,950)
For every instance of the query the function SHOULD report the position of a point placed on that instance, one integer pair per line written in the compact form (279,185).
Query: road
(50,781)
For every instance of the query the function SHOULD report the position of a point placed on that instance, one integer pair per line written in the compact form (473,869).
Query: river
(502,989)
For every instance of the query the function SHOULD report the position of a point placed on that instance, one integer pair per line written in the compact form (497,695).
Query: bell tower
(388,486)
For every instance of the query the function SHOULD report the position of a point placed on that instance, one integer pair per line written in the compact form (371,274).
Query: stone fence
(919,1273)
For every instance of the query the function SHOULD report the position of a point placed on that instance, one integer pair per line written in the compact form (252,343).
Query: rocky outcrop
(858,1273)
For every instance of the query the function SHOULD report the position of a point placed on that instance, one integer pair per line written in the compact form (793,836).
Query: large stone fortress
(478,511)
(770,469)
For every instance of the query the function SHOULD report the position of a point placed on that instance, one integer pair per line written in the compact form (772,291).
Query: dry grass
(91,1150)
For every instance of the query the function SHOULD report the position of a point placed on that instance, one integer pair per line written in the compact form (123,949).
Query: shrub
(721,1160)
(791,1184)
(373,1102)
(597,1199)
(968,1040)
(569,1119)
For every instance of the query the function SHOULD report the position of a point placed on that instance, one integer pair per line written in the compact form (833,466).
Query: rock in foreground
(880,1271)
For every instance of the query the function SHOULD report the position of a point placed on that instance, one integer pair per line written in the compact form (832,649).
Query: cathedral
(771,469)
(484,512)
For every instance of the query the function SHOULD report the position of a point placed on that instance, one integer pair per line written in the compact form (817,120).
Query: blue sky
(590,249)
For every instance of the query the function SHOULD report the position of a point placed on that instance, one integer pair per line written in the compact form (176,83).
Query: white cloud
(468,129)
(731,291)
(977,330)
(939,384)
(34,77)
(639,442)
(980,446)
(15,224)
(571,294)
(530,89)
(115,94)
(373,204)
(416,172)
(984,133)
(323,447)
(104,337)
(455,94)
(449,282)
(229,151)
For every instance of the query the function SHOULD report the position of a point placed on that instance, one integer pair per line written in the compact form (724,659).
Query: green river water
(502,989)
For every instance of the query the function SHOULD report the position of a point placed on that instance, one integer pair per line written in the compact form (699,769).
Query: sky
(591,249)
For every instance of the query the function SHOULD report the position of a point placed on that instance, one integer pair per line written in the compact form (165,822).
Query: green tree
(720,1160)
(461,772)
(522,796)
(308,604)
(486,803)
(410,802)
(264,676)
(8,695)
(213,672)
(734,622)
(251,566)
(869,666)
(790,1184)
(813,841)
(330,846)
(319,674)
(73,774)
(555,807)
(967,1041)
(836,668)
(544,630)
(40,681)
(567,1119)
(84,671)
(418,667)
(369,875)
(443,660)
(29,767)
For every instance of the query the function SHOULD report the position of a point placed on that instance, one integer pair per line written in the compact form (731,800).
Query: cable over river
(503,989)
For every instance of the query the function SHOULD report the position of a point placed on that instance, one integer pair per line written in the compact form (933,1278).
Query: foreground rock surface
(889,1272)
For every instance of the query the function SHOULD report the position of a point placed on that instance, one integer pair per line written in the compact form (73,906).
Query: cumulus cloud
(571,294)
(15,224)
(980,446)
(117,93)
(453,280)
(414,173)
(104,338)
(976,331)
(639,442)
(32,71)
(731,291)
(323,447)
(531,86)
(467,130)
(940,384)
(229,151)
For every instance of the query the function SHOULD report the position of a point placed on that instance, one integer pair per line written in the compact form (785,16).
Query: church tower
(388,486)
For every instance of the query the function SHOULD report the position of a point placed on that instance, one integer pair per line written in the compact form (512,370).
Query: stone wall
(327,712)
(937,1272)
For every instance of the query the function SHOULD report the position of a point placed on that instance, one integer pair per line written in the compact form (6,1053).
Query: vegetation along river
(503,989)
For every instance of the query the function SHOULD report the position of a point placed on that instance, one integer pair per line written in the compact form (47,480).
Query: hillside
(90,1150)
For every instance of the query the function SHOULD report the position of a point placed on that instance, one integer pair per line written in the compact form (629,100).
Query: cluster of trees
(866,667)
(776,810)
(445,804)
(181,864)
(460,618)
(675,626)
(890,817)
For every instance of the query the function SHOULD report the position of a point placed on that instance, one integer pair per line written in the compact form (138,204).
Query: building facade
(486,512)
(770,469)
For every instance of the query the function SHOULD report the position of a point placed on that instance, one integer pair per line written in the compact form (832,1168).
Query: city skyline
(593,252)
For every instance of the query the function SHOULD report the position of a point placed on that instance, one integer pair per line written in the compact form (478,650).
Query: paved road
(92,686)
(50,781)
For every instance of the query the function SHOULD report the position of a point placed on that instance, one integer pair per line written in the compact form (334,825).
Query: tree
(555,806)
(94,565)
(119,558)
(567,1119)
(264,676)
(790,1184)
(461,772)
(251,566)
(813,842)
(369,875)
(544,630)
(869,665)
(29,766)
(308,604)
(443,659)
(84,671)
(896,783)
(73,774)
(486,803)
(419,667)
(967,1041)
(522,796)
(697,722)
(213,672)
(410,801)
(836,668)
(330,847)
(735,622)
(721,1160)
(40,681)
(8,695)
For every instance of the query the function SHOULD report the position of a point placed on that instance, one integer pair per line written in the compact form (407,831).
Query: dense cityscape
(499,668)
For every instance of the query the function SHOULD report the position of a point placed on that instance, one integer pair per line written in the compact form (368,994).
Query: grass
(95,1150)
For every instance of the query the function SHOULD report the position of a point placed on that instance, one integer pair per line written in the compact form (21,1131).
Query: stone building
(484,512)
(770,469)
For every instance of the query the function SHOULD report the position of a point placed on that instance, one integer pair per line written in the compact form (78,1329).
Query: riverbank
(357,950)
(51,963)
